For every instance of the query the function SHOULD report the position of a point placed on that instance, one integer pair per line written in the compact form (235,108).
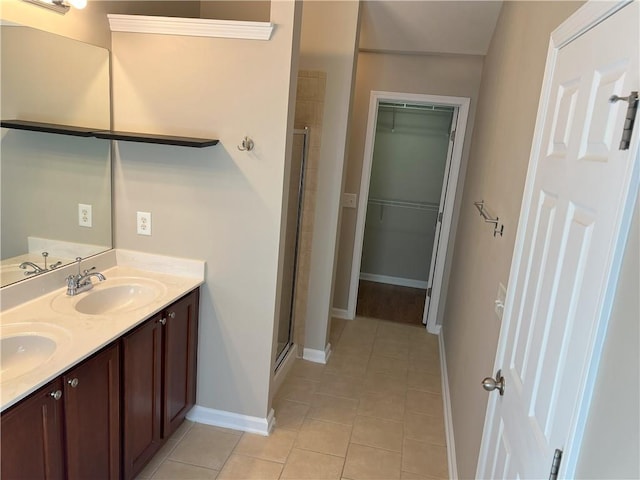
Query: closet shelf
(108,134)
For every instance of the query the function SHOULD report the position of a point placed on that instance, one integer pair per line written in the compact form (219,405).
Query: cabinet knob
(73,382)
(163,321)
(57,395)
(171,315)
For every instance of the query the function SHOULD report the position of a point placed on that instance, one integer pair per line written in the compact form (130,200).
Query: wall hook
(246,145)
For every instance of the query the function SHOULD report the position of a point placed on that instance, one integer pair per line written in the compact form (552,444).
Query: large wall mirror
(55,200)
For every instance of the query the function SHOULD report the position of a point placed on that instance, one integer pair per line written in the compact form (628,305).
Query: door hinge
(555,464)
(452,135)
(629,120)
(429,292)
(440,217)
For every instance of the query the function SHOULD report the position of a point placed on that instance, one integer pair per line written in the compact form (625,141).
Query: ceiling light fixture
(59,6)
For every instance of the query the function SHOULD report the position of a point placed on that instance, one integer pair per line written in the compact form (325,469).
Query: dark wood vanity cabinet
(91,394)
(158,369)
(71,425)
(33,436)
(106,417)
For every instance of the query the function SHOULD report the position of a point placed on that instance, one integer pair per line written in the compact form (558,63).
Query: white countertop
(78,335)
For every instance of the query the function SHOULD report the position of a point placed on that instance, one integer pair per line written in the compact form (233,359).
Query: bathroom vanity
(118,382)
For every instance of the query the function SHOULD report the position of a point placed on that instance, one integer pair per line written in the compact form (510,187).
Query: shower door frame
(444,241)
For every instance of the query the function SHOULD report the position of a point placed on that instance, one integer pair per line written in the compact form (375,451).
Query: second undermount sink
(115,295)
(24,347)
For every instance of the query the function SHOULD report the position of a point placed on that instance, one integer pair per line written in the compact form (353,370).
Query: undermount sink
(117,295)
(26,346)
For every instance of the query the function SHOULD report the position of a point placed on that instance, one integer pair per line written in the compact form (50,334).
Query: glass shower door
(292,242)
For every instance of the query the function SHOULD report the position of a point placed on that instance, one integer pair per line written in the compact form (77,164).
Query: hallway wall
(328,44)
(507,108)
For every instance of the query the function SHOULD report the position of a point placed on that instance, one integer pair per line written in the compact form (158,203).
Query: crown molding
(192,27)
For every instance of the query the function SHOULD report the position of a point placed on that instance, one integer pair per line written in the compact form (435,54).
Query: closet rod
(402,204)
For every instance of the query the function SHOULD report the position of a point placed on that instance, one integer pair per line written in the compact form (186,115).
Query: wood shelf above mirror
(109,134)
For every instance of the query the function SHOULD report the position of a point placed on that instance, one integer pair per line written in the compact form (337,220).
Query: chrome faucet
(82,281)
(36,268)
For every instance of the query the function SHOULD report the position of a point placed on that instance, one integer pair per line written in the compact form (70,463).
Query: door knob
(491,384)
(73,382)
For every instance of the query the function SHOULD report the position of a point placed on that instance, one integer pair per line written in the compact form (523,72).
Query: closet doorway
(410,172)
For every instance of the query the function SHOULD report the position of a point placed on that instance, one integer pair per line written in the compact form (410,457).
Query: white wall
(327,44)
(427,74)
(498,160)
(611,443)
(217,203)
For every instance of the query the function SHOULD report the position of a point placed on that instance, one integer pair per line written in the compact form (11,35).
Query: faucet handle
(86,271)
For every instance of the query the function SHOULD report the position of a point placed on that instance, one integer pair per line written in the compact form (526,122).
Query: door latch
(629,120)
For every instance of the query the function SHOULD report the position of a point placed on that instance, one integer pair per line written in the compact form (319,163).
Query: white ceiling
(458,27)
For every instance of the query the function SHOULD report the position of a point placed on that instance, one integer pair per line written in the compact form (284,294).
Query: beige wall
(247,10)
(91,24)
(426,74)
(44,178)
(499,156)
(310,97)
(611,443)
(328,43)
(217,204)
(77,94)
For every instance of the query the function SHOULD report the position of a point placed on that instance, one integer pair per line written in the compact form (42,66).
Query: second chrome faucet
(82,281)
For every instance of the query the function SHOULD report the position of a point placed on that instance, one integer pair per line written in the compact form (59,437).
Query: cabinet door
(142,395)
(32,439)
(92,417)
(180,354)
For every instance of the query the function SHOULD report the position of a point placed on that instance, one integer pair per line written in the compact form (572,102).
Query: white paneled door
(574,219)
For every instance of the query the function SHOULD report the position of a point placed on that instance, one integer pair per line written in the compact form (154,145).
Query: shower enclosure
(292,243)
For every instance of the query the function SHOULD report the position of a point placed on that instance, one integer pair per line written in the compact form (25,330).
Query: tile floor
(373,412)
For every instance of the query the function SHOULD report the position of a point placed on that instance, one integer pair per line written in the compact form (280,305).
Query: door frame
(462,104)
(587,17)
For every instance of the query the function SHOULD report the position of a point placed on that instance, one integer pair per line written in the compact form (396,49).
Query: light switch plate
(349,200)
(500,299)
(143,223)
(85,218)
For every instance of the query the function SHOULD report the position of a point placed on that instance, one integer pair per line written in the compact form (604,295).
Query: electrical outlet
(144,223)
(349,200)
(84,215)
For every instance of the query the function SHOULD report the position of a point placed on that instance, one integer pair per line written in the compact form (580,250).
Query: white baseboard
(448,417)
(403,282)
(283,369)
(317,356)
(235,421)
(341,313)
